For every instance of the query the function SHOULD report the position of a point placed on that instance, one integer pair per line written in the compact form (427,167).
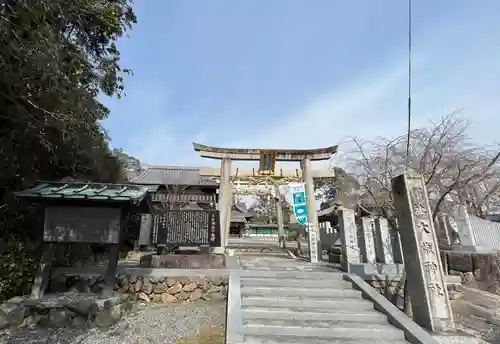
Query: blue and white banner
(299,202)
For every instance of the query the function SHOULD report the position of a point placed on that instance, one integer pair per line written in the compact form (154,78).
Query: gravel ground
(151,324)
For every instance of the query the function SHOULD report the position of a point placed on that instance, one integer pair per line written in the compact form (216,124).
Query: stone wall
(478,270)
(392,290)
(166,289)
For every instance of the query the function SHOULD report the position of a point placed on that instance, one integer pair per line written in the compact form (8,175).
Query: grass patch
(207,335)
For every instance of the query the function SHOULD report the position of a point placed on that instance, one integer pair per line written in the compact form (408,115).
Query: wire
(409,86)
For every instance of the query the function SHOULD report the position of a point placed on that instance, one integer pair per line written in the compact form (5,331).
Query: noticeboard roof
(85,191)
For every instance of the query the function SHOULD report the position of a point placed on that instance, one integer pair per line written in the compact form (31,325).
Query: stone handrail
(413,332)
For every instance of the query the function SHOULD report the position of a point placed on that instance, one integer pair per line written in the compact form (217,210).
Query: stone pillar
(464,226)
(225,200)
(397,250)
(443,230)
(424,271)
(348,238)
(383,242)
(312,213)
(367,244)
(145,235)
(279,217)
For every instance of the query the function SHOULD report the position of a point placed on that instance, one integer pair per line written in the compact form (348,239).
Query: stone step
(260,254)
(304,303)
(272,316)
(288,282)
(338,331)
(301,291)
(309,340)
(294,274)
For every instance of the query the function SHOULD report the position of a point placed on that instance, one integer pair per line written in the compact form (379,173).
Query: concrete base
(470,249)
(217,250)
(377,268)
(183,261)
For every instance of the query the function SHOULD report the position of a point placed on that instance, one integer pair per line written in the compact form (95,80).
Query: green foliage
(56,57)
(17,269)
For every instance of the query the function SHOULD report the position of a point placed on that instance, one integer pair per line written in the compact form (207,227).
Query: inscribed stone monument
(425,277)
(349,238)
(367,242)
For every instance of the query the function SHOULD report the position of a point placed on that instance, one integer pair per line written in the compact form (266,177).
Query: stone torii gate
(266,172)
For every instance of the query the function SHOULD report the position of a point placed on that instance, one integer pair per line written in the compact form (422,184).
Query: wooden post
(110,278)
(42,277)
(113,258)
(424,271)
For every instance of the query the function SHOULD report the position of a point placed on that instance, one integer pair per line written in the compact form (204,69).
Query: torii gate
(267,173)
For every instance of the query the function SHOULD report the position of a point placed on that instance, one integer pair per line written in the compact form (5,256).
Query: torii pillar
(267,158)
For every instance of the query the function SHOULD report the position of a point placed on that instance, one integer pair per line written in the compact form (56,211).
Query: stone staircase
(304,307)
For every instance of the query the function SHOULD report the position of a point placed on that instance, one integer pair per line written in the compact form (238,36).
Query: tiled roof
(86,191)
(237,217)
(171,175)
(486,233)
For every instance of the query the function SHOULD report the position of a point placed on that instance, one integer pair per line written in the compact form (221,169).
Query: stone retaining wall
(168,289)
(392,290)
(478,270)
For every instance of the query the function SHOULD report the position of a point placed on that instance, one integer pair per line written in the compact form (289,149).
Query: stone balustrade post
(367,242)
(348,238)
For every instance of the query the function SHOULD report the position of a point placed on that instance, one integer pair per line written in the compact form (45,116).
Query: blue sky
(299,74)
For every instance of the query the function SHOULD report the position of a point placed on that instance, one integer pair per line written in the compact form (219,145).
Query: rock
(156,297)
(31,321)
(456,295)
(108,317)
(143,297)
(160,288)
(13,313)
(190,287)
(167,298)
(171,281)
(216,297)
(147,287)
(195,295)
(176,288)
(183,280)
(97,288)
(217,280)
(183,295)
(138,285)
(123,282)
(87,309)
(215,289)
(124,288)
(58,317)
(470,281)
(224,290)
(3,321)
(78,322)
